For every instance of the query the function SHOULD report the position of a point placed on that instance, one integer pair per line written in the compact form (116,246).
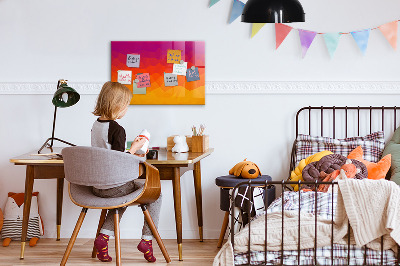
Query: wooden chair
(85,167)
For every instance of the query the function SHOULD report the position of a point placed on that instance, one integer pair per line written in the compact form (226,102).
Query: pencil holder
(200,143)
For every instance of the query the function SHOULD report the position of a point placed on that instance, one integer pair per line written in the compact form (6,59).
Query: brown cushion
(328,164)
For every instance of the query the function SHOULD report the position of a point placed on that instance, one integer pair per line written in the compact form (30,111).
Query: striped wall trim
(231,87)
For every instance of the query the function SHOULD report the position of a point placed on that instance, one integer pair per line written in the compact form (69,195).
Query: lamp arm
(54,126)
(55,115)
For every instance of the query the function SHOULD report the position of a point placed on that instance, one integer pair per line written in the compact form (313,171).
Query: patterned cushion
(372,144)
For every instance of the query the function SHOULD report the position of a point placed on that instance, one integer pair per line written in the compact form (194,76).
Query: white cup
(144,134)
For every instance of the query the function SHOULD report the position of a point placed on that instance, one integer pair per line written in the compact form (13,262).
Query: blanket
(274,235)
(371,207)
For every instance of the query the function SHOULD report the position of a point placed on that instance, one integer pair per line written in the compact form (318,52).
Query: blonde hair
(112,99)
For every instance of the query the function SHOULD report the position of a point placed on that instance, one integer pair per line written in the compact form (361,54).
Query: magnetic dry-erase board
(160,72)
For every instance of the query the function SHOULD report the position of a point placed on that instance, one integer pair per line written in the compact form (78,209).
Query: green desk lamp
(65,96)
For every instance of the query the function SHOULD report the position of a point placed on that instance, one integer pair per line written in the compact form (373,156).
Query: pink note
(144,80)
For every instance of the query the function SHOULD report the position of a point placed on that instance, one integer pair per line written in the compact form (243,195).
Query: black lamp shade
(65,96)
(273,11)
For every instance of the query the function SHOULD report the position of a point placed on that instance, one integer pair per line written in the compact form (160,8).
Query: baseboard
(135,233)
(231,87)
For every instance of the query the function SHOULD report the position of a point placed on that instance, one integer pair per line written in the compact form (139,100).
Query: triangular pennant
(306,39)
(256,27)
(361,37)
(389,30)
(213,2)
(332,41)
(237,9)
(281,31)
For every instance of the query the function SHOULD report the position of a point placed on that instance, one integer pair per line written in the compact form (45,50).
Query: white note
(180,69)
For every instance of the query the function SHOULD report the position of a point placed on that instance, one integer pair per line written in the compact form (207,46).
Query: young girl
(112,103)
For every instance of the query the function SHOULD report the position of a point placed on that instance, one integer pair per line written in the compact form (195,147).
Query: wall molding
(231,87)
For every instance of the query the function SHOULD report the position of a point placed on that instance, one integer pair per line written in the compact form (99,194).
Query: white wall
(42,41)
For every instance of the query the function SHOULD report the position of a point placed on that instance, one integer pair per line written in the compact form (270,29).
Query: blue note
(192,74)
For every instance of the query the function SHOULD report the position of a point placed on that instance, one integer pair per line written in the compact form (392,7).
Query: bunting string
(361,37)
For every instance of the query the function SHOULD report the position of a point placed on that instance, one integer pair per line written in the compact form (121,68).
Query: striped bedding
(306,202)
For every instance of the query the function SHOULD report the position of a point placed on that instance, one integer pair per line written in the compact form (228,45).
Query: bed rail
(265,185)
(336,122)
(342,119)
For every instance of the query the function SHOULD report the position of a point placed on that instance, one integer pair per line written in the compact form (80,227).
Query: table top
(164,157)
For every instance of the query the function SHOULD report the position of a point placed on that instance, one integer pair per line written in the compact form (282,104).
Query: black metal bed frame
(283,184)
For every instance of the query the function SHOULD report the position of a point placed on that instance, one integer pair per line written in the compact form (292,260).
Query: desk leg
(60,190)
(27,206)
(197,189)
(176,182)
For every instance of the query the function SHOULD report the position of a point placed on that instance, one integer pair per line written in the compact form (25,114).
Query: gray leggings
(154,208)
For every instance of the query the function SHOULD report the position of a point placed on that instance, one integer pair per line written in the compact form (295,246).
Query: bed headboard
(344,121)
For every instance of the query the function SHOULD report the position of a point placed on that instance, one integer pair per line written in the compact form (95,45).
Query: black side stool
(226,183)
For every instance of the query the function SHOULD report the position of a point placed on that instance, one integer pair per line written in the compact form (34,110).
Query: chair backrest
(92,166)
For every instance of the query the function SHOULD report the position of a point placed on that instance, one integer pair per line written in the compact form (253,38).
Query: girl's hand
(143,155)
(137,144)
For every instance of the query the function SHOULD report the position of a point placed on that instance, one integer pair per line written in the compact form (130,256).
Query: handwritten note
(144,80)
(133,60)
(174,56)
(125,77)
(192,74)
(170,79)
(180,69)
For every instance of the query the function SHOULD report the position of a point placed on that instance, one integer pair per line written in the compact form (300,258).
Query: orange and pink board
(133,61)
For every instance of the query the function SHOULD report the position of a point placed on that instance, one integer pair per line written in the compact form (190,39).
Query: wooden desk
(169,165)
(40,167)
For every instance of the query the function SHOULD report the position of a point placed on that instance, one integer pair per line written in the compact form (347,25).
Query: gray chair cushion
(99,167)
(84,196)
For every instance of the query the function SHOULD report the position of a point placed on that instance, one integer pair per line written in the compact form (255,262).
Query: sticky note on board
(136,90)
(133,60)
(170,79)
(124,76)
(174,56)
(180,69)
(192,74)
(144,80)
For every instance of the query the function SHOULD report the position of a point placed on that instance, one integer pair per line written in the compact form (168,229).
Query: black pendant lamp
(273,11)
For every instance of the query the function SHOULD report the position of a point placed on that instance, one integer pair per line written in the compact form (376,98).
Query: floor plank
(49,252)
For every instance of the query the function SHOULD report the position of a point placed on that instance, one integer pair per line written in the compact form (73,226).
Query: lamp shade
(65,96)
(273,11)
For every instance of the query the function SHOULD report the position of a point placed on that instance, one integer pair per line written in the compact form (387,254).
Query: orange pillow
(375,170)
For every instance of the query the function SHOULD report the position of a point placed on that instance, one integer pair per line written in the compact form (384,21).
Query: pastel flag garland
(256,27)
(332,41)
(389,30)
(237,8)
(213,2)
(361,37)
(281,31)
(306,39)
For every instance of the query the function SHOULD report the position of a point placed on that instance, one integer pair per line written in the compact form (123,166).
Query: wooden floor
(50,252)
